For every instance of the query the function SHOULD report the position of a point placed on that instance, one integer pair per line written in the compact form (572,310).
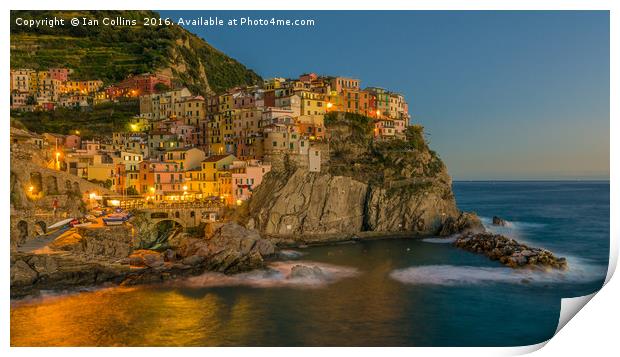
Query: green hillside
(111,53)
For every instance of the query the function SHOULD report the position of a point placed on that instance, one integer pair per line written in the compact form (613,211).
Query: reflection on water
(363,306)
(245,313)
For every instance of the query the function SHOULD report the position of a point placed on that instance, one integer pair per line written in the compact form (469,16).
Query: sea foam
(278,274)
(468,275)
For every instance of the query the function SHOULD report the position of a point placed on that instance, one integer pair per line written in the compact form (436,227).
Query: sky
(512,95)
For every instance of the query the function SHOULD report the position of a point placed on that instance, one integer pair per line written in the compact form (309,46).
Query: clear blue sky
(502,95)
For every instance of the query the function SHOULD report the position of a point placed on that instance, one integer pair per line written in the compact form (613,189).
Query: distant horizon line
(531,180)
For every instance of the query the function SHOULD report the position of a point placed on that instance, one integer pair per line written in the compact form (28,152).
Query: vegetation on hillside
(111,53)
(100,120)
(354,153)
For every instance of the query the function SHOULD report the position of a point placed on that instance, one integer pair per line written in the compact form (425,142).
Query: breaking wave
(470,275)
(510,225)
(278,274)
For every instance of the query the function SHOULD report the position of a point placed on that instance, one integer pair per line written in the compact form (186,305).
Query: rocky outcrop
(306,272)
(422,211)
(231,248)
(510,252)
(498,221)
(365,186)
(146,258)
(466,222)
(87,256)
(308,203)
(102,243)
(59,271)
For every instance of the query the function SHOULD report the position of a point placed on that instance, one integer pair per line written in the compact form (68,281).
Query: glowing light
(134,127)
(30,188)
(93,195)
(114,203)
(378,112)
(329,105)
(239,202)
(152,189)
(184,188)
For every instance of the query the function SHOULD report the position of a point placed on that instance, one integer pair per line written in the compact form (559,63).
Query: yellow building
(208,178)
(215,135)
(273,83)
(312,103)
(100,168)
(225,187)
(83,87)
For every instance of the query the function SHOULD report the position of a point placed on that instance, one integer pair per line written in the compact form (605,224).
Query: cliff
(111,53)
(366,187)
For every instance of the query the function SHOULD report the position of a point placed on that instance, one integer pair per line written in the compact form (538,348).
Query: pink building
(185,133)
(246,176)
(73,142)
(61,74)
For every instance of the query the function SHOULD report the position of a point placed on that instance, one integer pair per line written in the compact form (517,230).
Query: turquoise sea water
(380,293)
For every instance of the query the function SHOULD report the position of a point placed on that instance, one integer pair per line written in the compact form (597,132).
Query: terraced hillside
(111,53)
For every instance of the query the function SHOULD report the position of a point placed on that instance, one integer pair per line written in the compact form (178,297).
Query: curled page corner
(570,307)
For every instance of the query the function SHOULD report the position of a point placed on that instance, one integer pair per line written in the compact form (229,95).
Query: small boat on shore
(61,224)
(116,219)
(81,222)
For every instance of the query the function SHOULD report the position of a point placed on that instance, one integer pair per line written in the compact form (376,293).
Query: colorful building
(246,176)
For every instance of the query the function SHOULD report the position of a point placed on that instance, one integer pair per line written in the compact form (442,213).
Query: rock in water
(466,222)
(306,272)
(231,248)
(510,252)
(497,221)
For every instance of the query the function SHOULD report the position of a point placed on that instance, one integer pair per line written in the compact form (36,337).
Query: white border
(592,330)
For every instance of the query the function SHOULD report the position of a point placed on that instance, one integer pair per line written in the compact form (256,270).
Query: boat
(116,219)
(60,224)
(80,222)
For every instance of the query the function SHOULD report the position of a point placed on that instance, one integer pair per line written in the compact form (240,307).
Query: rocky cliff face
(309,203)
(368,186)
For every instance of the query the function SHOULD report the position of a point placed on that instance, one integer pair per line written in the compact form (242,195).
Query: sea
(396,292)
